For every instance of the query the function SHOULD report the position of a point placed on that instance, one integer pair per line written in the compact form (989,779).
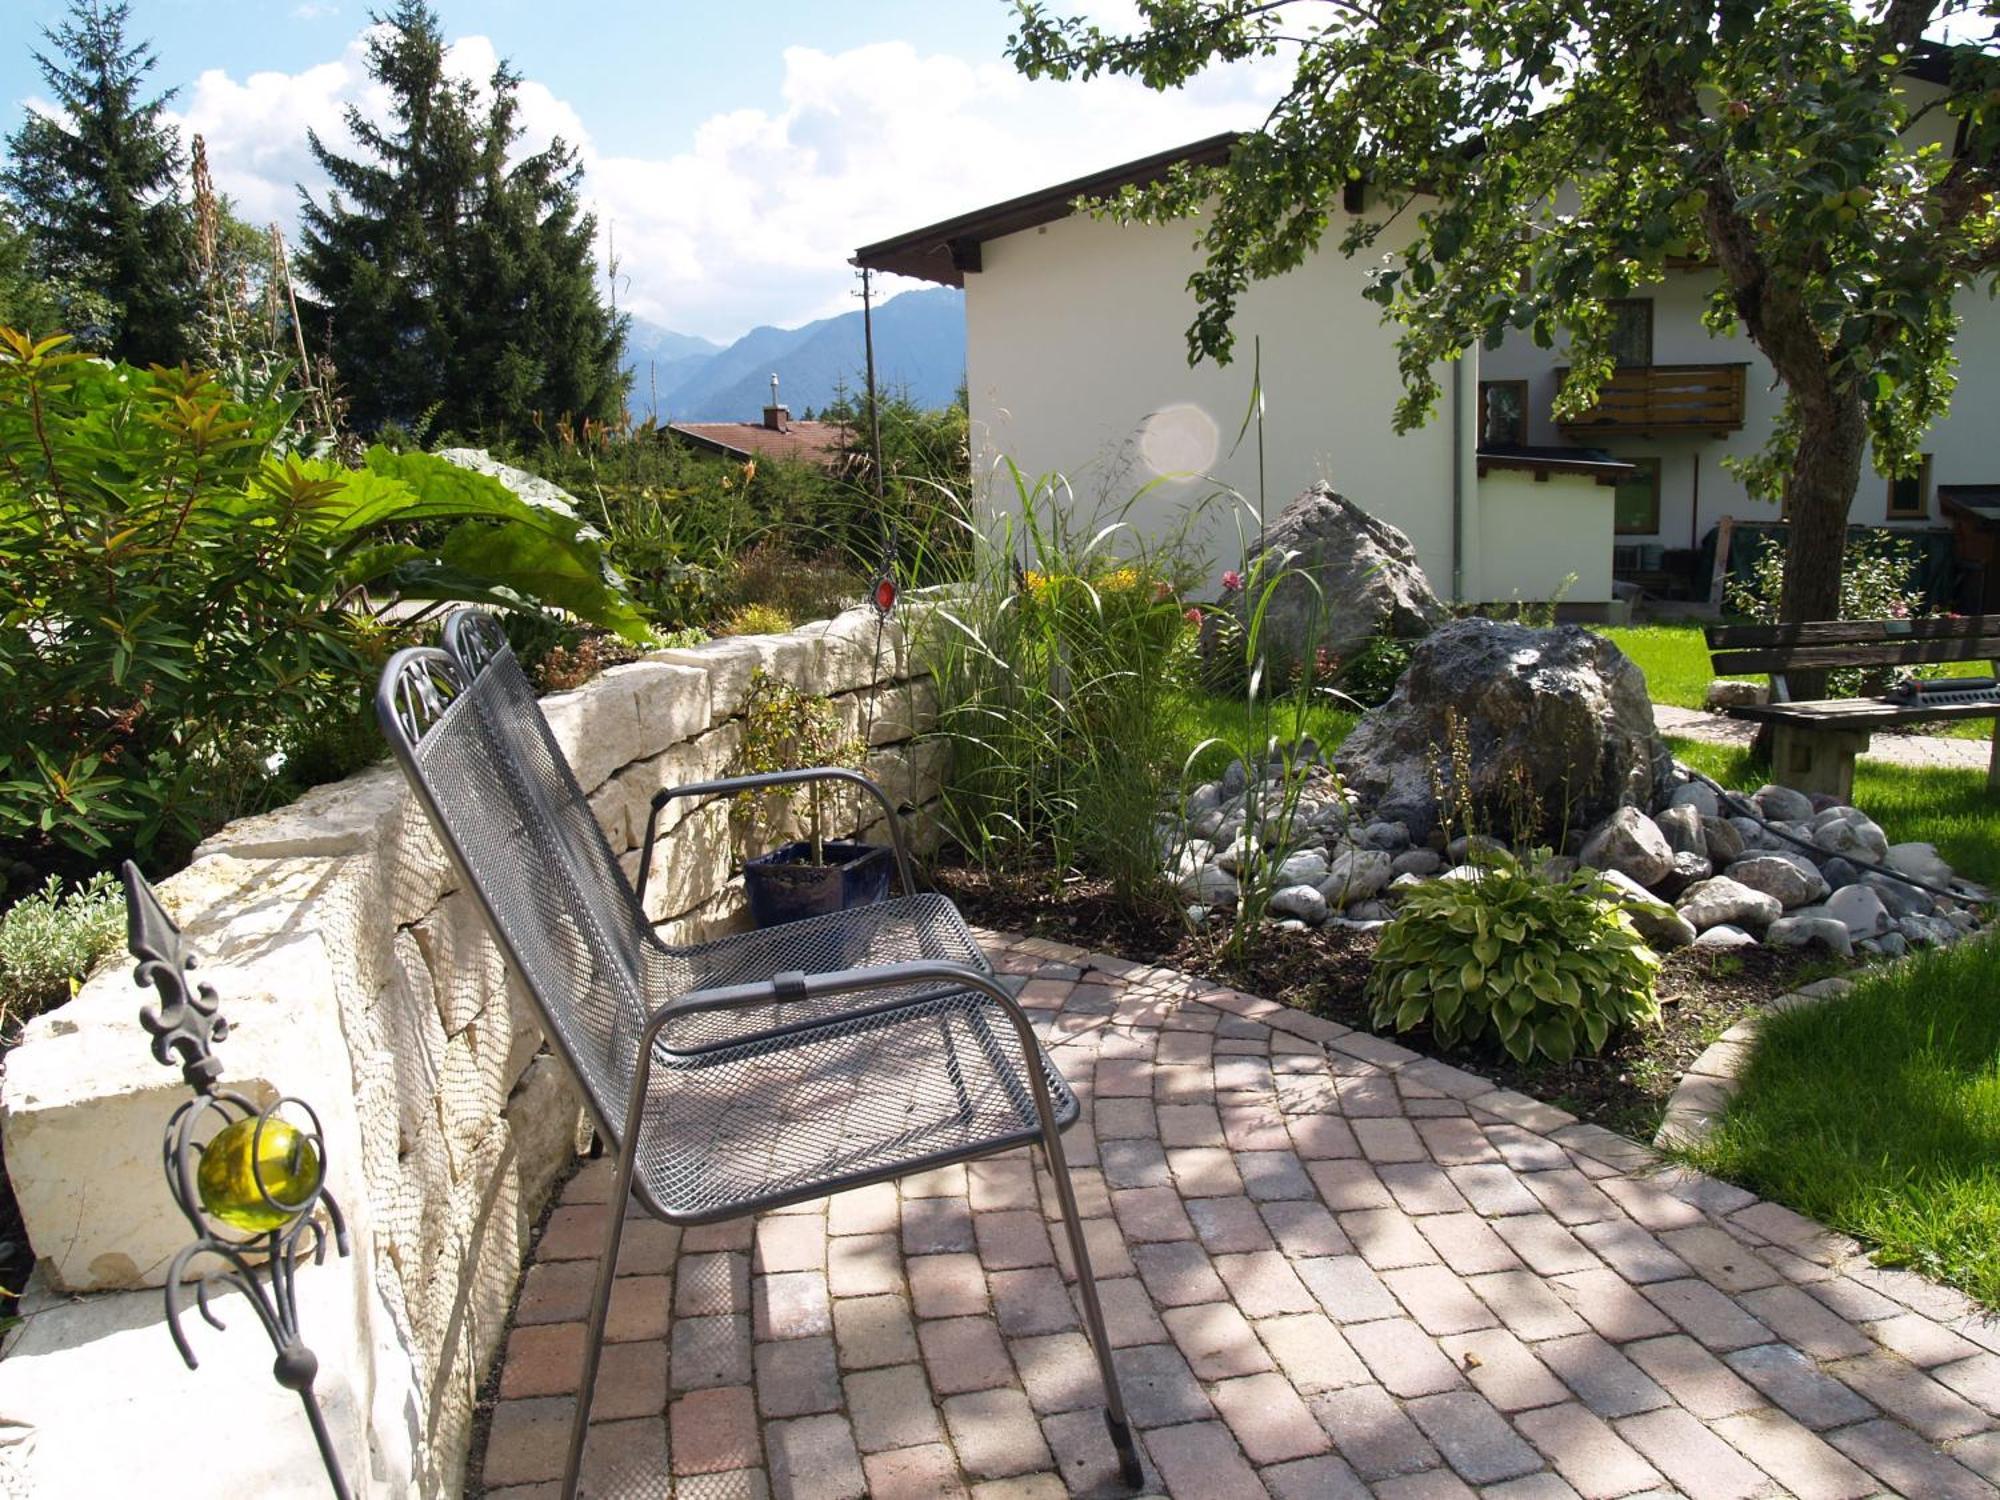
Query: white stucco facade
(1541,535)
(1076,363)
(1696,490)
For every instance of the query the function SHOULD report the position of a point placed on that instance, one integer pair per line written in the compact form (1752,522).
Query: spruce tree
(96,188)
(457,288)
(27,301)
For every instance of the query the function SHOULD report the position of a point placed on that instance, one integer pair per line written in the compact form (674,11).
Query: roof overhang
(945,251)
(1605,471)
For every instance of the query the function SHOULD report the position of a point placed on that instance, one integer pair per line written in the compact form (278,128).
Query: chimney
(776,417)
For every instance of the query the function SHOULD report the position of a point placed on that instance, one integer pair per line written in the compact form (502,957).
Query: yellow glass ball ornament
(285,1158)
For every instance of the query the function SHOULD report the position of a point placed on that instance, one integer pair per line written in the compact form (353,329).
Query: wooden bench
(1814,743)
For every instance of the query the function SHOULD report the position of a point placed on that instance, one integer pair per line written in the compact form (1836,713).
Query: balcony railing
(1663,400)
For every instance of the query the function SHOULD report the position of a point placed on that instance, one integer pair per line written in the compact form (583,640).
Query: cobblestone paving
(1331,1268)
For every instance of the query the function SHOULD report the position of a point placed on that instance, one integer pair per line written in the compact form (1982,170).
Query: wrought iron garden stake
(258,1174)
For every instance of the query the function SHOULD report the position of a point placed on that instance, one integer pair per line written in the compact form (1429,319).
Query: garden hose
(1742,806)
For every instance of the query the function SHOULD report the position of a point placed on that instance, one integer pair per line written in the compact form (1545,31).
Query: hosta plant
(1540,965)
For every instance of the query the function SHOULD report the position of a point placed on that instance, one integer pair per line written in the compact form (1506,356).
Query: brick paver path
(1331,1268)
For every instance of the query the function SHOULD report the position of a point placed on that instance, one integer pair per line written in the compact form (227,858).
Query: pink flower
(1193,617)
(1232,581)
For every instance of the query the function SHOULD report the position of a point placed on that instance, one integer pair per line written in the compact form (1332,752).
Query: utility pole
(874,406)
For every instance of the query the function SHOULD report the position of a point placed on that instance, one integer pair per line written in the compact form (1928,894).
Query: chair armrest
(734,784)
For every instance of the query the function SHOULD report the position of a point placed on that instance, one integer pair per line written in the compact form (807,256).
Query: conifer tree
(456,286)
(96,189)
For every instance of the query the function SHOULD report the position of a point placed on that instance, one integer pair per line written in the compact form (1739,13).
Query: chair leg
(600,1314)
(1129,1467)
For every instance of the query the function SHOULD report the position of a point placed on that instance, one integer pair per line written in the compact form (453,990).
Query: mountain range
(919,352)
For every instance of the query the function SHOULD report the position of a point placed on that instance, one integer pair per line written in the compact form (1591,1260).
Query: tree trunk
(1819,491)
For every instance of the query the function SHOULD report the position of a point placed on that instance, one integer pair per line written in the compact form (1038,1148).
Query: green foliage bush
(696,536)
(1371,674)
(786,729)
(1878,581)
(757,619)
(51,940)
(1540,965)
(186,595)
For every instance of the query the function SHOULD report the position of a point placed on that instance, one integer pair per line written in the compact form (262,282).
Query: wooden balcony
(1663,401)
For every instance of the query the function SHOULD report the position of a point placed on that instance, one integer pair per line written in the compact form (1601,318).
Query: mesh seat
(749,1072)
(769,1122)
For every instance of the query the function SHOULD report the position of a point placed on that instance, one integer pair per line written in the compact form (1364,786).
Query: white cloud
(754,218)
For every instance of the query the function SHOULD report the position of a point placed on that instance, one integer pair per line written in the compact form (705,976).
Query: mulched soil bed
(1325,972)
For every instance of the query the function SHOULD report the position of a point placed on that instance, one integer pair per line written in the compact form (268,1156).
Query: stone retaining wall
(357,975)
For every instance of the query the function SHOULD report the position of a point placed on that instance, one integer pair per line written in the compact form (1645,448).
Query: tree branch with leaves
(1557,155)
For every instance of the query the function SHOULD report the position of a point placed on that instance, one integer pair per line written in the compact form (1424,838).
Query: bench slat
(1803,658)
(1854,632)
(1858,713)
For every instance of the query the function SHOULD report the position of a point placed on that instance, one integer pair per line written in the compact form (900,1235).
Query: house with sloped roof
(778,435)
(1076,364)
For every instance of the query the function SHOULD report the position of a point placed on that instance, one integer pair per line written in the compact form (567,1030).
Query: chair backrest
(481,757)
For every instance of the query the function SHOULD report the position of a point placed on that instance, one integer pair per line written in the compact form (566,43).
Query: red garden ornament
(883,596)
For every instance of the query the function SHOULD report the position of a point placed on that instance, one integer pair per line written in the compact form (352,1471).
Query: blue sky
(698,59)
(741,150)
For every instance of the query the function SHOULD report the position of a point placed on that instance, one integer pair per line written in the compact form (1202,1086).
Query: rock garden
(1387,748)
(1558,718)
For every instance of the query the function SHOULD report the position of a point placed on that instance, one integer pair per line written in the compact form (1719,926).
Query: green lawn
(1878,1113)
(1200,716)
(1674,658)
(1950,808)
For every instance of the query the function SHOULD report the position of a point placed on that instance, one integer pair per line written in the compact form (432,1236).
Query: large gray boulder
(1337,576)
(1561,714)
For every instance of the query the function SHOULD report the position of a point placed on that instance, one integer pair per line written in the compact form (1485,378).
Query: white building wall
(1536,528)
(1076,360)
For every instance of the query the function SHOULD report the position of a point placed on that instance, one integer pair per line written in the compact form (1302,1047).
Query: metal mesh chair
(741,1074)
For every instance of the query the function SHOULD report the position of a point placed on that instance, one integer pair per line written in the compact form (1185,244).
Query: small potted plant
(785,729)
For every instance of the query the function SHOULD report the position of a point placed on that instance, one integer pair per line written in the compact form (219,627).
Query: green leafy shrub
(785,729)
(1540,965)
(1878,581)
(183,592)
(1371,674)
(756,619)
(800,588)
(51,940)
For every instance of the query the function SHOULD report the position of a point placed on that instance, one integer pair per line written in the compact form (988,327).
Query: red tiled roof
(808,442)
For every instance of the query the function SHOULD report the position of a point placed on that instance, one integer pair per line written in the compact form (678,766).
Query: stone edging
(1704,1092)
